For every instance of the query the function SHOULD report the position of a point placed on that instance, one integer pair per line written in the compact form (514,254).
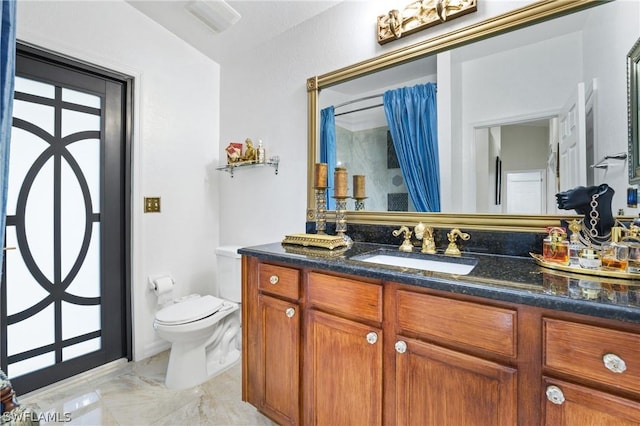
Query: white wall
(175,140)
(263,96)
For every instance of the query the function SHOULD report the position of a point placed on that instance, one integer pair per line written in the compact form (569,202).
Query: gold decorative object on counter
(419,15)
(314,240)
(340,182)
(320,187)
(425,233)
(358,186)
(316,251)
(452,248)
(320,176)
(583,271)
(406,245)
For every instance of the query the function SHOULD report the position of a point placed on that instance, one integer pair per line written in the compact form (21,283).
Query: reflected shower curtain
(7,78)
(328,147)
(412,119)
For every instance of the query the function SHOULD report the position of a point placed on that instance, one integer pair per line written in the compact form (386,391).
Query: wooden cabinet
(435,385)
(343,352)
(280,357)
(272,321)
(343,371)
(438,386)
(601,367)
(323,348)
(569,404)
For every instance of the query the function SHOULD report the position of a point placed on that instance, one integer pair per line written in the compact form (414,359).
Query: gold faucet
(452,249)
(406,244)
(425,233)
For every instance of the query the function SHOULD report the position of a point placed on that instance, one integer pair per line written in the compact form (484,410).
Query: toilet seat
(189,310)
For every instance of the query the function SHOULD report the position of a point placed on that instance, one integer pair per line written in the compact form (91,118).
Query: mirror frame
(517,18)
(633,93)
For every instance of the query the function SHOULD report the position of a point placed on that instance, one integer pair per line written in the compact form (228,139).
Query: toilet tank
(229,274)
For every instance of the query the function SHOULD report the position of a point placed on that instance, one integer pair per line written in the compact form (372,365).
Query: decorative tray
(578,270)
(315,240)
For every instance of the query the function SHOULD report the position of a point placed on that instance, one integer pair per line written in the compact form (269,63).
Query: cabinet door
(568,404)
(437,386)
(343,371)
(279,356)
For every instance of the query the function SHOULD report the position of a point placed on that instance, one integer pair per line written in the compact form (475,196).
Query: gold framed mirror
(633,99)
(519,18)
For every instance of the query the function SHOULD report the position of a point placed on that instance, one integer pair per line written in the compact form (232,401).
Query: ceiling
(260,22)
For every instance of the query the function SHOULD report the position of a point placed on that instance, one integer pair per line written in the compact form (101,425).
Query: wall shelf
(230,168)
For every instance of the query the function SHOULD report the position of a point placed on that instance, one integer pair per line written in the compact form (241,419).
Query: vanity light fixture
(215,14)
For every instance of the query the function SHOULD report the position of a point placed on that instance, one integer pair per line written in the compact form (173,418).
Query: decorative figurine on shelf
(594,202)
(234,152)
(250,153)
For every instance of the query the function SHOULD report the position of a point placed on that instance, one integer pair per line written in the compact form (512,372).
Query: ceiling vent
(215,14)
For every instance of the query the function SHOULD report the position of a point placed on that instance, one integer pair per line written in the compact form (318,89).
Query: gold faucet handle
(406,244)
(452,249)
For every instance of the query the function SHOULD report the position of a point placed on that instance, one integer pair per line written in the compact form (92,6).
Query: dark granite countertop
(497,277)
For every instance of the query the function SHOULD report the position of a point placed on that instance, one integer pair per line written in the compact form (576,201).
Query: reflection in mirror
(520,116)
(633,99)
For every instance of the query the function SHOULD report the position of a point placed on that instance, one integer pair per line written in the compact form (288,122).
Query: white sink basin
(434,263)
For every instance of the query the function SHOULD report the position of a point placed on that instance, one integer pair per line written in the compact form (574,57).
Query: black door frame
(120,210)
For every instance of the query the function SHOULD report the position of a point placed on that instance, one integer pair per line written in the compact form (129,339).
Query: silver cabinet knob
(372,337)
(401,347)
(555,395)
(614,363)
(290,312)
(273,279)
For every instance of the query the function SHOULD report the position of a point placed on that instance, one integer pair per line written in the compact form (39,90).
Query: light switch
(152,204)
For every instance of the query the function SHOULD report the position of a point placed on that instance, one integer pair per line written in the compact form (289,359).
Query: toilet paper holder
(153,281)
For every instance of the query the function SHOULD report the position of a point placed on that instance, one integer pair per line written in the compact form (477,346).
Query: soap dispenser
(555,247)
(261,153)
(615,255)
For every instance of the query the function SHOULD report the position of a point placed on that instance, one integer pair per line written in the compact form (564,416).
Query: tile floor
(134,394)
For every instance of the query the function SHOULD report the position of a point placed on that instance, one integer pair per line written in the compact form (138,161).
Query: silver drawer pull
(372,337)
(555,395)
(614,363)
(273,279)
(401,347)
(290,312)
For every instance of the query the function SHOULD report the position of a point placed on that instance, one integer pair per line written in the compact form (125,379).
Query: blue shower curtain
(412,119)
(7,77)
(328,147)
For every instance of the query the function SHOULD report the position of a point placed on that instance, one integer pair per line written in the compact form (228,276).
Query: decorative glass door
(59,313)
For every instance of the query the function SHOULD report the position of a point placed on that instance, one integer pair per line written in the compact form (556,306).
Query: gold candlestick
(340,183)
(341,219)
(358,187)
(321,210)
(320,175)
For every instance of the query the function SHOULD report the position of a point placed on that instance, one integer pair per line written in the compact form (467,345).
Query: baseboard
(84,377)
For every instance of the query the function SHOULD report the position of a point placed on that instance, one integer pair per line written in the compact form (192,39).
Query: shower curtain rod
(358,109)
(358,100)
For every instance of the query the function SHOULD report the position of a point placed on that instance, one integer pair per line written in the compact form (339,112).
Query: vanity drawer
(279,280)
(597,353)
(346,296)
(485,327)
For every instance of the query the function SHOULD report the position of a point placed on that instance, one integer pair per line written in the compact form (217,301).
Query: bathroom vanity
(333,340)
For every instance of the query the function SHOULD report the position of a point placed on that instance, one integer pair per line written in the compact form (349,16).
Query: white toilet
(204,331)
